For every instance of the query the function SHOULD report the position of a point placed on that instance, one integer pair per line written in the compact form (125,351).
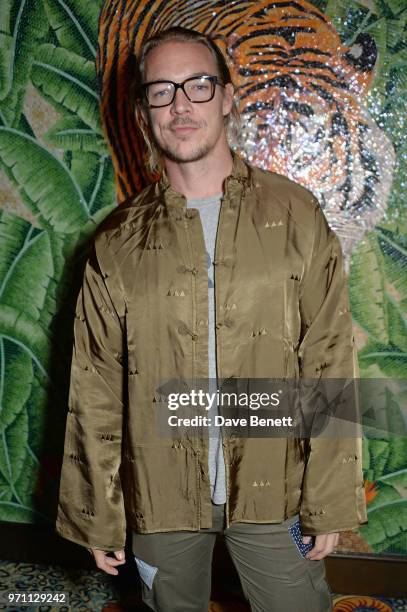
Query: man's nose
(180,104)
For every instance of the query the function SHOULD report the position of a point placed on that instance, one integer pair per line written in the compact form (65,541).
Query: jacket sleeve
(333,497)
(90,507)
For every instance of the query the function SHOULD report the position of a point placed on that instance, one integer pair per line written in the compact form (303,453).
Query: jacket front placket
(235,190)
(194,253)
(193,261)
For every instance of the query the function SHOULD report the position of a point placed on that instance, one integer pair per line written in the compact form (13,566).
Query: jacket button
(225,261)
(190,214)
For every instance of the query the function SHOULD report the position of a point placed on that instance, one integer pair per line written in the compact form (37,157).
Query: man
(278,307)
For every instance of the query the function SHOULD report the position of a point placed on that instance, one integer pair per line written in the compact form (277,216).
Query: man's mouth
(181,129)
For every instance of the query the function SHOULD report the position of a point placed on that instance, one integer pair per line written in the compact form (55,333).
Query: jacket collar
(240,174)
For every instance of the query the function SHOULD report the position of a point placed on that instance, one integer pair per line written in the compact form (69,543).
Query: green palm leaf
(95,175)
(24,24)
(46,182)
(25,485)
(72,134)
(376,310)
(67,80)
(397,325)
(38,419)
(13,448)
(397,452)
(16,326)
(17,379)
(396,5)
(394,248)
(384,461)
(387,526)
(26,268)
(6,493)
(18,513)
(338,12)
(391,361)
(30,268)
(6,49)
(380,452)
(366,289)
(13,233)
(397,480)
(75,25)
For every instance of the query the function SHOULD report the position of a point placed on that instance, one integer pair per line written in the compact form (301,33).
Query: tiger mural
(301,94)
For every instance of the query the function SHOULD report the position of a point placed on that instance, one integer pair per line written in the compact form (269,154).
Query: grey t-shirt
(209,212)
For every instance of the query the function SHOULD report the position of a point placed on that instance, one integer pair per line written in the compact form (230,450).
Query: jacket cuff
(322,520)
(85,541)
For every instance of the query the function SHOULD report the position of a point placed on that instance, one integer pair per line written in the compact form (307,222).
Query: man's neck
(202,178)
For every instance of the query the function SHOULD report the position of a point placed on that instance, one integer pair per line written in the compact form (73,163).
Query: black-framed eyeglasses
(197,89)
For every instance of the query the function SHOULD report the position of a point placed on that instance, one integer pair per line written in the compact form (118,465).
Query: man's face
(185,131)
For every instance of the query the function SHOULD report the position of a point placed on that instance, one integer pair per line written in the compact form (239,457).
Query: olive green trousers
(175,568)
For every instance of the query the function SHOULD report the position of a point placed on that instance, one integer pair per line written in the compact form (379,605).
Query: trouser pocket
(322,593)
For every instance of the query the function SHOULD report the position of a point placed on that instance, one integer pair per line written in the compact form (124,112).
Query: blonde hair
(179,34)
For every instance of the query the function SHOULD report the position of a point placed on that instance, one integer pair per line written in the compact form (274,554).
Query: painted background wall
(322,90)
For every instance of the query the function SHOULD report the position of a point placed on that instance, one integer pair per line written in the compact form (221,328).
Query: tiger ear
(360,61)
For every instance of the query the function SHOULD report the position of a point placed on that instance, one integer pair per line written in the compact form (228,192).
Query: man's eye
(201,86)
(160,93)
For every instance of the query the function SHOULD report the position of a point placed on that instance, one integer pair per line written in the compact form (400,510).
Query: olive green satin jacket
(142,317)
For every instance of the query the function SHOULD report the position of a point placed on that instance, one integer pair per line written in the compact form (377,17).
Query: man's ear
(228,93)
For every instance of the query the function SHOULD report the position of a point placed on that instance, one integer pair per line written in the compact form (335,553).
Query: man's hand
(324,545)
(105,563)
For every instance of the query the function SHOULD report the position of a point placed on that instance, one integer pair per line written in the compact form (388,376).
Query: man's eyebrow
(191,76)
(202,72)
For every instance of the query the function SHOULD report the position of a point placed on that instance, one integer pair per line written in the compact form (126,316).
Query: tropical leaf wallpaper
(59,178)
